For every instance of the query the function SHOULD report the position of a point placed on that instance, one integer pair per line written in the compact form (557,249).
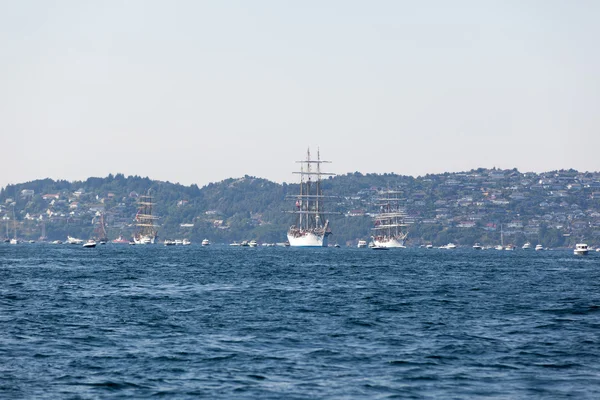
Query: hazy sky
(199,91)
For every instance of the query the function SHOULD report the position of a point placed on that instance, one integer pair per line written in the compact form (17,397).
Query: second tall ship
(390,229)
(144,220)
(311,228)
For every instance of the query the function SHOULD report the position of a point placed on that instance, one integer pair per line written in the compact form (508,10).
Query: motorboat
(539,247)
(581,249)
(477,246)
(510,247)
(499,247)
(120,240)
(362,244)
(253,243)
(205,242)
(429,246)
(526,246)
(375,247)
(186,242)
(450,246)
(72,240)
(168,242)
(90,244)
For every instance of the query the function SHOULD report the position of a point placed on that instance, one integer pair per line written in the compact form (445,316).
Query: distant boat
(186,242)
(56,242)
(178,242)
(477,246)
(120,240)
(311,228)
(361,244)
(205,242)
(539,247)
(253,243)
(450,246)
(581,249)
(526,246)
(375,247)
(499,247)
(429,246)
(72,240)
(244,243)
(510,247)
(90,244)
(168,242)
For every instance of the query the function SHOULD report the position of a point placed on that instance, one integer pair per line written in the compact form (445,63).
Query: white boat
(120,240)
(581,249)
(477,246)
(56,242)
(510,247)
(390,226)
(526,246)
(14,241)
(362,244)
(450,246)
(374,247)
(539,247)
(429,246)
(145,221)
(205,242)
(499,247)
(253,243)
(186,242)
(598,249)
(311,228)
(168,242)
(72,240)
(178,242)
(90,244)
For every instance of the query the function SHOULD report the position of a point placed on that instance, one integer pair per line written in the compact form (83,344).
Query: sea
(221,322)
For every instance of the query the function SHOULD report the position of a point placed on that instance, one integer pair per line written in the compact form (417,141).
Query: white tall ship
(390,229)
(311,228)
(147,232)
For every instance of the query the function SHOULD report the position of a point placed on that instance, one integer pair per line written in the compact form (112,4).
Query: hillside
(556,208)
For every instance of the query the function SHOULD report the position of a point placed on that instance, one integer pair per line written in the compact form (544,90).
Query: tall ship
(100,234)
(391,229)
(311,228)
(147,232)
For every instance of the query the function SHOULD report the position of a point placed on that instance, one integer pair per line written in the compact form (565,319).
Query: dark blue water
(220,322)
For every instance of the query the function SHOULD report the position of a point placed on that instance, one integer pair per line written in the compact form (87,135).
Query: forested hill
(554,208)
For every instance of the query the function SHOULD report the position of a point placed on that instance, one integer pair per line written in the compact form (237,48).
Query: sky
(200,91)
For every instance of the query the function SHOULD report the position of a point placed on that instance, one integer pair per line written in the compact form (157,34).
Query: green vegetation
(555,209)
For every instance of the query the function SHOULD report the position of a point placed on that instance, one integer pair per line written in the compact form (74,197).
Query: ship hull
(309,239)
(389,243)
